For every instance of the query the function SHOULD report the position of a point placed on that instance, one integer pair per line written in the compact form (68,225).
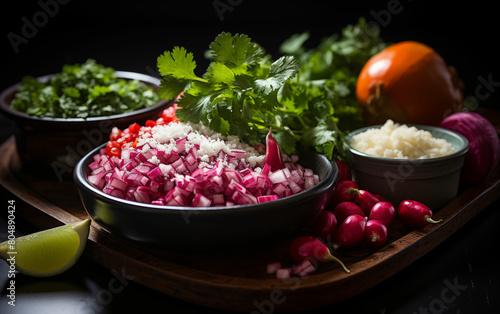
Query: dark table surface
(458,276)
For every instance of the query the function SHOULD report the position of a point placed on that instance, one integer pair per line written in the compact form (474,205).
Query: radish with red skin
(375,234)
(366,200)
(350,233)
(308,247)
(345,191)
(272,268)
(304,268)
(384,212)
(344,171)
(283,273)
(324,225)
(415,214)
(345,209)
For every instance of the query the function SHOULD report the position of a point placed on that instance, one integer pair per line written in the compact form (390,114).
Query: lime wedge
(48,252)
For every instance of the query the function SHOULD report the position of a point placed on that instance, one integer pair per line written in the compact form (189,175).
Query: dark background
(131,35)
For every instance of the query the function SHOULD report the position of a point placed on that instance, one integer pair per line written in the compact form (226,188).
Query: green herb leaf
(306,96)
(281,70)
(236,52)
(81,91)
(220,73)
(178,63)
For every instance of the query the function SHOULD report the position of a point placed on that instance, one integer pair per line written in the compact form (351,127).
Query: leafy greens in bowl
(82,91)
(52,145)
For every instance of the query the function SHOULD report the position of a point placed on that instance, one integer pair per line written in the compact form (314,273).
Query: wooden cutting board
(237,280)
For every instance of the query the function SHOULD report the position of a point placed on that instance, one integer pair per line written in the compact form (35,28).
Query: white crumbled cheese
(393,140)
(145,148)
(154,160)
(164,137)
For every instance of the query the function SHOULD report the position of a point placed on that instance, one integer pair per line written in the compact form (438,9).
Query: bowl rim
(7,109)
(461,151)
(324,185)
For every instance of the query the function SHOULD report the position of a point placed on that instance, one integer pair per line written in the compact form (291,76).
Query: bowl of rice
(416,162)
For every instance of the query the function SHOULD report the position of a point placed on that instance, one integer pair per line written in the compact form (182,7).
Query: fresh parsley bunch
(237,95)
(244,93)
(325,87)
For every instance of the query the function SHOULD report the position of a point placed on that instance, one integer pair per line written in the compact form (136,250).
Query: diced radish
(97,180)
(309,183)
(266,169)
(142,196)
(166,170)
(180,176)
(201,201)
(154,173)
(119,184)
(117,193)
(218,198)
(296,177)
(190,159)
(238,153)
(233,175)
(279,189)
(308,172)
(303,268)
(294,187)
(94,165)
(266,198)
(283,273)
(181,145)
(273,267)
(158,202)
(277,176)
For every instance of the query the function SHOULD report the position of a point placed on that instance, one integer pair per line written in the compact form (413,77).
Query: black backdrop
(40,36)
(131,35)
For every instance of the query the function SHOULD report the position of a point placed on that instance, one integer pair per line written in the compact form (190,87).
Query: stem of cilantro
(304,125)
(266,125)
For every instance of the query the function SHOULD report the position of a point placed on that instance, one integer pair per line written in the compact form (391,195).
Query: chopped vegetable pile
(187,164)
(82,91)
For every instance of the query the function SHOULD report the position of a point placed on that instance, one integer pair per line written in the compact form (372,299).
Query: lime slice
(48,252)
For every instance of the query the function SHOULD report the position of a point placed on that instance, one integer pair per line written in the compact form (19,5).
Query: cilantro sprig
(237,95)
(304,96)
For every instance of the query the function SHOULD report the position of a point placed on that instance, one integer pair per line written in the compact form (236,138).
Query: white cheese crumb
(207,142)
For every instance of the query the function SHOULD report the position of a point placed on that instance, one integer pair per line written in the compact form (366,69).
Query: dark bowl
(53,146)
(206,228)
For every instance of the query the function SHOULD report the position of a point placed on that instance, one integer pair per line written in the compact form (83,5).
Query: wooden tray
(237,280)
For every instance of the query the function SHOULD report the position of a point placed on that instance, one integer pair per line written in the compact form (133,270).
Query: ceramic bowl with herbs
(61,117)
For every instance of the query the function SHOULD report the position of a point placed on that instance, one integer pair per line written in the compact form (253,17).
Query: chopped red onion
(181,177)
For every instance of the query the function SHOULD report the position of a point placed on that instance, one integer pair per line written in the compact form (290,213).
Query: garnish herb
(307,97)
(81,91)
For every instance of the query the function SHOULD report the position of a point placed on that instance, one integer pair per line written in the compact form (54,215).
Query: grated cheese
(209,143)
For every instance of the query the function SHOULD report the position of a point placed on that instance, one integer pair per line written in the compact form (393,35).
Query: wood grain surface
(237,280)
